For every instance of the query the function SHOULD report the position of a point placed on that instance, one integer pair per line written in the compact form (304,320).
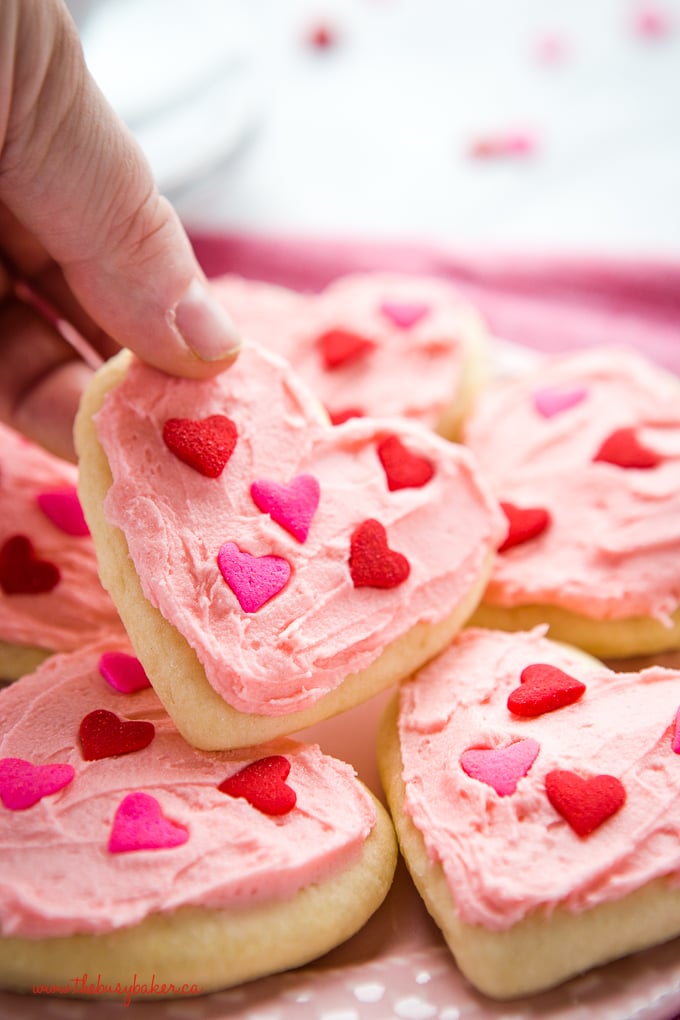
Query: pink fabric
(549,303)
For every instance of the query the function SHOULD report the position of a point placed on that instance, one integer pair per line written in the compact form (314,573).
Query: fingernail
(204,325)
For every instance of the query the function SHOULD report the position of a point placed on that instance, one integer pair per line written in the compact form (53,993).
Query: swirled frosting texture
(504,856)
(319,628)
(613,546)
(420,328)
(77,609)
(234,855)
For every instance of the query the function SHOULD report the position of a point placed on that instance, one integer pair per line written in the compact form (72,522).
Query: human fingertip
(203,324)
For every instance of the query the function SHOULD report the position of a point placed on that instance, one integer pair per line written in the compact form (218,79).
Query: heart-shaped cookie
(296,568)
(371,344)
(168,862)
(583,451)
(543,825)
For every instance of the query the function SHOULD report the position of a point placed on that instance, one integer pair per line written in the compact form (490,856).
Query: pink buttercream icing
(506,854)
(77,609)
(314,627)
(59,876)
(613,547)
(420,328)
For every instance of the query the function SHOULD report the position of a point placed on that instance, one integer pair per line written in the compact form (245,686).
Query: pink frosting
(506,853)
(613,547)
(419,328)
(77,609)
(276,633)
(208,849)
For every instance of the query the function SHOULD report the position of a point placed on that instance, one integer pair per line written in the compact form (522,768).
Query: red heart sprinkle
(585,803)
(403,468)
(372,563)
(24,573)
(340,347)
(338,417)
(322,37)
(263,784)
(544,688)
(205,445)
(525,523)
(104,735)
(623,449)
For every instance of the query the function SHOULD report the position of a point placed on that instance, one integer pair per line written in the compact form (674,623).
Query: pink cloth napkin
(548,303)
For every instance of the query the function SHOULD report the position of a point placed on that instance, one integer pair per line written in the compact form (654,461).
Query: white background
(249,128)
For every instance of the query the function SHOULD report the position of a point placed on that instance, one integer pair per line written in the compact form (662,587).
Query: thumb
(75,177)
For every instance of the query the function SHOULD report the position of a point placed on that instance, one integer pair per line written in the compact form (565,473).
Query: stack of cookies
(352,506)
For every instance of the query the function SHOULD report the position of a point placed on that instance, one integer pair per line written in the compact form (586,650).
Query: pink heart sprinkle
(23,784)
(554,399)
(123,672)
(404,313)
(292,506)
(62,507)
(502,767)
(254,580)
(675,743)
(139,824)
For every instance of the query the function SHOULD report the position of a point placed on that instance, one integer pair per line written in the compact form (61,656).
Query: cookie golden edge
(201,715)
(206,950)
(18,660)
(606,639)
(475,373)
(541,951)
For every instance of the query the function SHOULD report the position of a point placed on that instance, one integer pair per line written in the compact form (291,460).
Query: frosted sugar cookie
(271,570)
(372,343)
(50,595)
(133,858)
(535,795)
(584,454)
